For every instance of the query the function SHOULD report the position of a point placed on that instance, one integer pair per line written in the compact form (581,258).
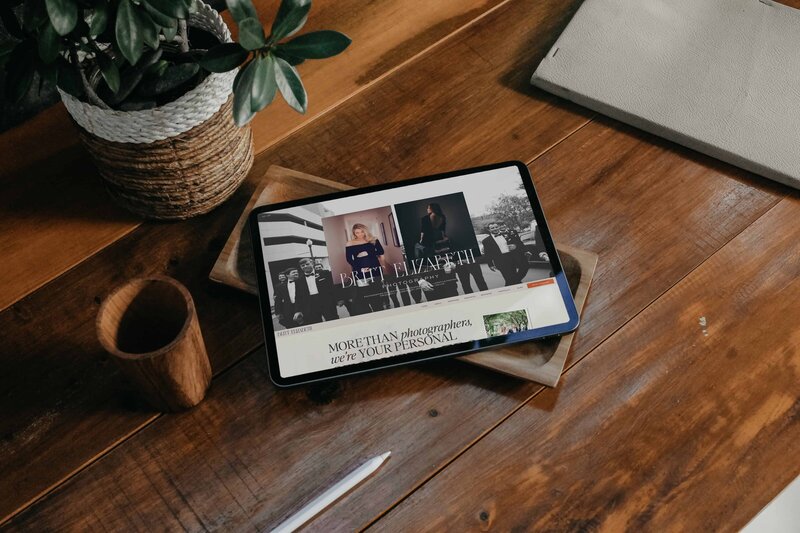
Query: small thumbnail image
(505,323)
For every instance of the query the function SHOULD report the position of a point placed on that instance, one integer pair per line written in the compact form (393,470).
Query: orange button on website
(548,281)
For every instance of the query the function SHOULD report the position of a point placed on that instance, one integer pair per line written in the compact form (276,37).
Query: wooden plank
(80,408)
(53,209)
(241,460)
(687,419)
(668,185)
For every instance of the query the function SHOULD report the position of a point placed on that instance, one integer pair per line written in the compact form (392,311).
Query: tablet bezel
(452,350)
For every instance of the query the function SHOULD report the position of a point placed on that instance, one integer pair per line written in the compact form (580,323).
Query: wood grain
(672,424)
(248,456)
(653,212)
(150,328)
(54,211)
(79,407)
(616,192)
(705,193)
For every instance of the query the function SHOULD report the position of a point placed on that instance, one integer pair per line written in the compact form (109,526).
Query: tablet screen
(464,260)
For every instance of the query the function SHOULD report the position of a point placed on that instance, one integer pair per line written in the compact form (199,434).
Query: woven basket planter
(175,161)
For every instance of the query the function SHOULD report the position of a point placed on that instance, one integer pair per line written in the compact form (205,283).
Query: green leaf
(292,15)
(290,85)
(173,77)
(49,43)
(20,70)
(128,32)
(150,31)
(264,85)
(251,34)
(243,88)
(317,44)
(241,10)
(223,57)
(69,80)
(162,19)
(172,8)
(157,69)
(109,71)
(10,22)
(132,76)
(99,18)
(63,15)
(170,31)
(292,60)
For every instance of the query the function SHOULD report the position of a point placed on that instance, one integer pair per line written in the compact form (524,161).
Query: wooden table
(659,421)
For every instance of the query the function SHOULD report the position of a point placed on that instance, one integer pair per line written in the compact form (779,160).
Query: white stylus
(319,503)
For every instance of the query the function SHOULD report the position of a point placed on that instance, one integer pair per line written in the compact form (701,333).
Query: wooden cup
(150,326)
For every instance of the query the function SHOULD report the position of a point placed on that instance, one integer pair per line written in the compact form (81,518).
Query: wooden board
(540,361)
(54,211)
(81,408)
(685,420)
(653,211)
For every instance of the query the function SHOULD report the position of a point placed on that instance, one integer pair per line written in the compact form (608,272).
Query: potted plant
(160,92)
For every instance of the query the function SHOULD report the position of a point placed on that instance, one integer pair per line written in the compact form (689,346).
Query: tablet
(393,274)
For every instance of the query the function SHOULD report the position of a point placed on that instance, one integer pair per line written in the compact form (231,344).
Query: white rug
(719,76)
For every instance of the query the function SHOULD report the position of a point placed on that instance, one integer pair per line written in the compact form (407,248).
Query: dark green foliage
(251,34)
(292,15)
(99,18)
(129,31)
(63,15)
(316,45)
(241,10)
(49,43)
(224,57)
(264,83)
(173,77)
(138,54)
(289,83)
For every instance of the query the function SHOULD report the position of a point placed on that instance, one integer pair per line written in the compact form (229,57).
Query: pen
(315,506)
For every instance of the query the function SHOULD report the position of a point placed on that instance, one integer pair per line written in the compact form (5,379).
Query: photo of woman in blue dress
(365,254)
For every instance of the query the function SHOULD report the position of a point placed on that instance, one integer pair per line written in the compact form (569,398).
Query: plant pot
(175,161)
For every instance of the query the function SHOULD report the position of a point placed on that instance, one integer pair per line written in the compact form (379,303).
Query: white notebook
(719,76)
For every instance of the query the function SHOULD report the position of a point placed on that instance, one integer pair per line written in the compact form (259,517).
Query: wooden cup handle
(150,327)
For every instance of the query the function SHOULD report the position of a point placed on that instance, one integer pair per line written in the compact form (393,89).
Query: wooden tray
(539,361)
